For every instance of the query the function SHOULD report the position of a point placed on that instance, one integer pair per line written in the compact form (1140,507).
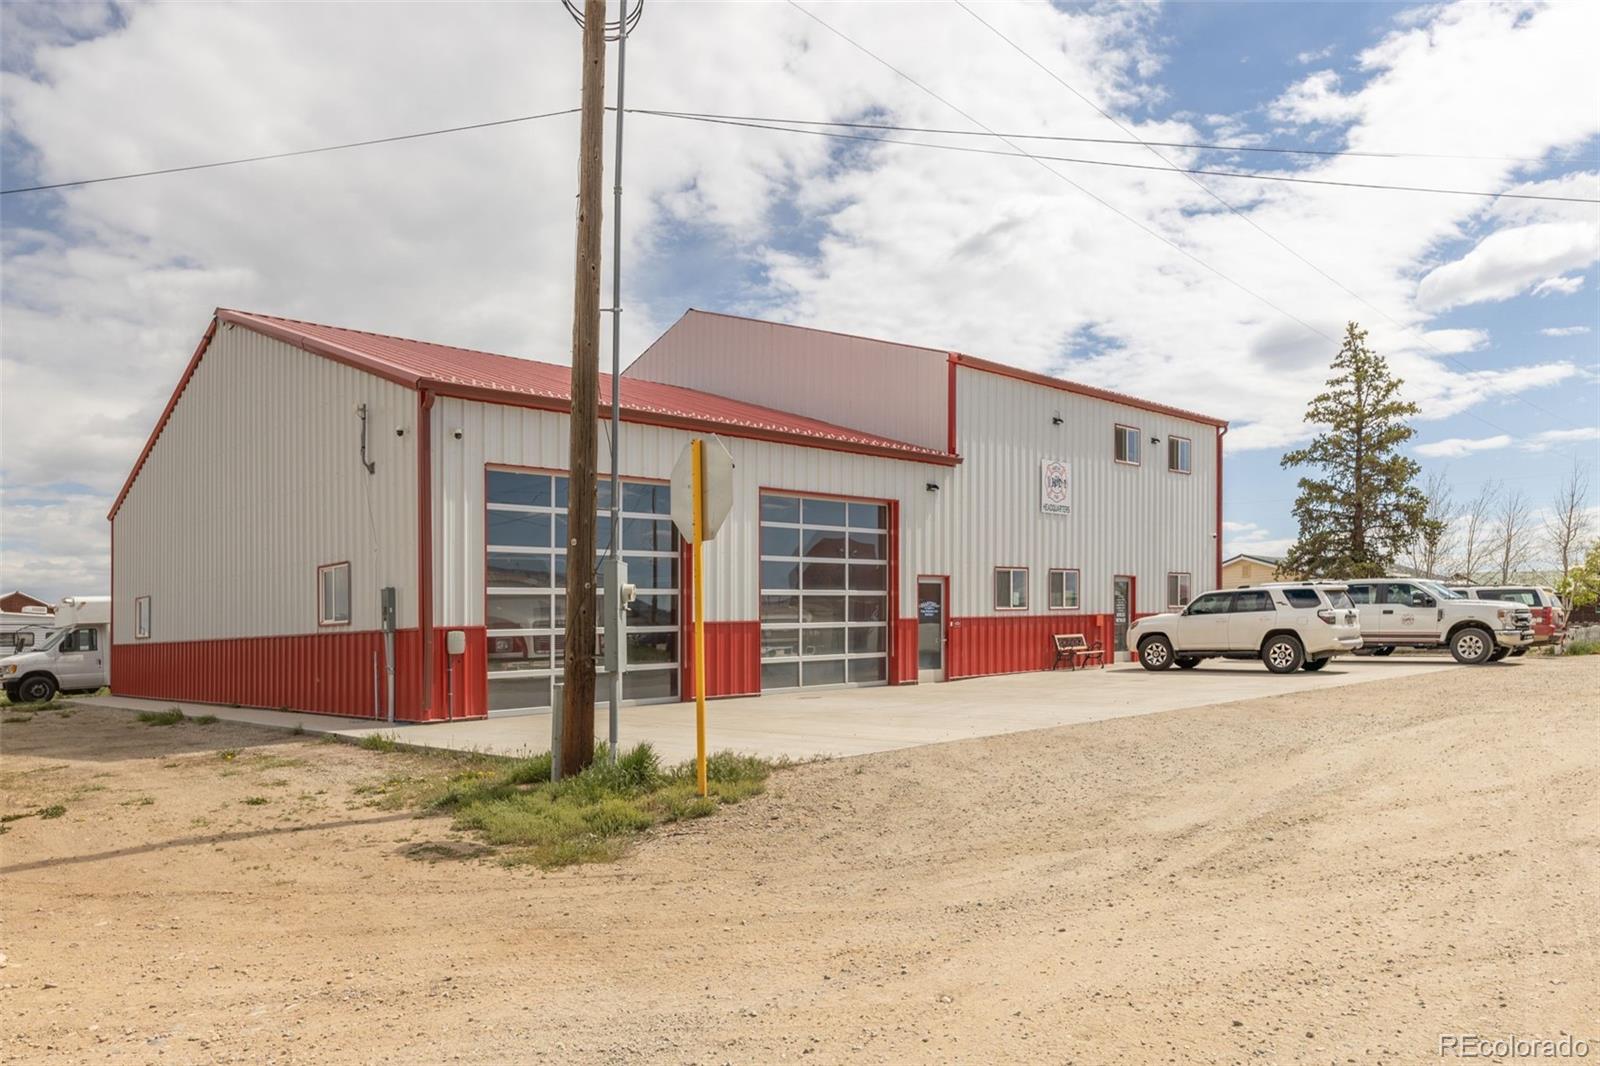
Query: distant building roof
(15,600)
(1265,560)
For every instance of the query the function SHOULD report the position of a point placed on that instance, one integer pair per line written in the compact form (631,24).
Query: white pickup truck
(73,657)
(1409,612)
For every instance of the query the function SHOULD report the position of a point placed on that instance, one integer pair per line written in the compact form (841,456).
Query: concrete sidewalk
(862,720)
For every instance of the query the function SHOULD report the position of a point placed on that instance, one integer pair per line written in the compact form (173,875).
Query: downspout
(425,545)
(1222,431)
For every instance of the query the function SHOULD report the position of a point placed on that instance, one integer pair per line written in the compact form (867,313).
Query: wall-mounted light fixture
(933,486)
(1056,419)
(456,433)
(400,431)
(1155,440)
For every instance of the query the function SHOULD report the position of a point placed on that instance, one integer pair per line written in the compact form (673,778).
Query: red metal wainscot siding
(733,660)
(903,663)
(1012,644)
(323,673)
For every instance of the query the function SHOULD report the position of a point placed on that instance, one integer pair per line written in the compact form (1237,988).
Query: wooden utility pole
(577,706)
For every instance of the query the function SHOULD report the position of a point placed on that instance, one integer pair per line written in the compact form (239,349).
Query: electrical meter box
(618,594)
(386,609)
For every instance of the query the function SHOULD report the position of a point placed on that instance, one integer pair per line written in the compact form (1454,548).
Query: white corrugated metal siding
(1144,520)
(255,481)
(497,434)
(894,390)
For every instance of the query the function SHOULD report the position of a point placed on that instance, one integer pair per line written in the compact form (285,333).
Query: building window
(1127,444)
(1180,455)
(333,594)
(1177,591)
(1011,588)
(824,592)
(525,579)
(141,618)
(1063,590)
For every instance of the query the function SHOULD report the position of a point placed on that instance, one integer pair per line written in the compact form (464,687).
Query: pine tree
(1363,509)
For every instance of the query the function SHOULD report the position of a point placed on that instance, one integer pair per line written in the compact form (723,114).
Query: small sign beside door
(1055,486)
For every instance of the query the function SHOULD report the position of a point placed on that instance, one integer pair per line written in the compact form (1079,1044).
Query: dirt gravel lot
(1333,877)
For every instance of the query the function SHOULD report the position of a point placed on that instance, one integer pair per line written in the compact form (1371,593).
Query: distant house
(15,600)
(1245,569)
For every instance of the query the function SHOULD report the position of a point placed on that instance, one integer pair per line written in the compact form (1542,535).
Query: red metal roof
(485,376)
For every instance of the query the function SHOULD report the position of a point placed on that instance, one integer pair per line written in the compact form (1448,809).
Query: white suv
(1288,626)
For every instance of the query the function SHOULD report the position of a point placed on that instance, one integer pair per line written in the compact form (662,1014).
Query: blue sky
(1487,308)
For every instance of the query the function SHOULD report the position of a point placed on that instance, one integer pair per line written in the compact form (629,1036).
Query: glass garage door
(824,592)
(525,530)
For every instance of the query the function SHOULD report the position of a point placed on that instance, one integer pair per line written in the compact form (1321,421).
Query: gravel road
(1329,877)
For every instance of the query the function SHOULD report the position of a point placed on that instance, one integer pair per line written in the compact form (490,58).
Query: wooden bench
(1076,651)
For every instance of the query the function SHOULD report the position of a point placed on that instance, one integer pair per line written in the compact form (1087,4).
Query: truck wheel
(36,688)
(1187,662)
(1472,646)
(1499,653)
(1316,664)
(1282,654)
(1155,653)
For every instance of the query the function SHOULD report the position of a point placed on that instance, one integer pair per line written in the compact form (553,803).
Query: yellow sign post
(697,490)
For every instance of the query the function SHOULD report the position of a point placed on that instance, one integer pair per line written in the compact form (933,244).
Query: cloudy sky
(1221,294)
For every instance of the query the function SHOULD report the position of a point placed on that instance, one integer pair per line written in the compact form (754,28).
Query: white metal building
(901,514)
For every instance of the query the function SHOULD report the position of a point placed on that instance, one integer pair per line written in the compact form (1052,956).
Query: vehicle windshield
(50,640)
(1440,591)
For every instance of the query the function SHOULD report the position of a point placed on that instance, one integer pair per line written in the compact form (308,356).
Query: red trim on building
(1082,390)
(950,445)
(892,651)
(733,660)
(1222,431)
(425,547)
(903,663)
(1009,644)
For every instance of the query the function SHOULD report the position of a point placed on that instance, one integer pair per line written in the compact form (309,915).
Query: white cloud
(1315,99)
(1563,286)
(1456,447)
(1508,262)
(1555,438)
(1564,331)
(1251,539)
(468,239)
(1303,58)
(1451,341)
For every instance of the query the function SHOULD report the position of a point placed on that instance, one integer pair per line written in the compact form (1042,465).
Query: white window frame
(1185,589)
(141,618)
(1188,449)
(1013,571)
(1137,440)
(1077,589)
(327,614)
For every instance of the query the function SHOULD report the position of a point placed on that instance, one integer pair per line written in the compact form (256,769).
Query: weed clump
(588,817)
(170,716)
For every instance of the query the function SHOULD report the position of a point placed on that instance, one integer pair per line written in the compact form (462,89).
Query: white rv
(73,657)
(20,630)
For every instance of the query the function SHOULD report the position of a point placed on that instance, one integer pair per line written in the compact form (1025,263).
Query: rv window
(79,640)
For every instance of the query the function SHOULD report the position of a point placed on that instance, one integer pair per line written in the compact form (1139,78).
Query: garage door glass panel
(525,530)
(834,553)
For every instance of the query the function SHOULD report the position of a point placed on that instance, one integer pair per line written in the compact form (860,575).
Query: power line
(1131,140)
(1246,218)
(1168,169)
(288,155)
(1041,161)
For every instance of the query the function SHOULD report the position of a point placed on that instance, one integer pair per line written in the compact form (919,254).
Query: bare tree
(1476,516)
(1514,534)
(1566,529)
(1434,538)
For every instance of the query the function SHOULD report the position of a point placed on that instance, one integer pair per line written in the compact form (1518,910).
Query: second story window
(1180,455)
(1127,444)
